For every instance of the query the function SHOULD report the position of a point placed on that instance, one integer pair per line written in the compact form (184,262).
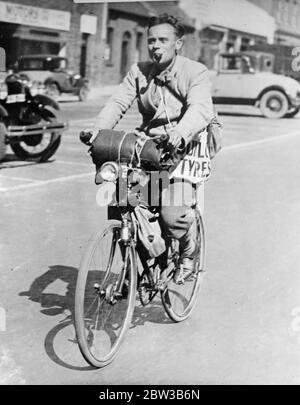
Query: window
(245,44)
(139,45)
(31,64)
(109,45)
(231,63)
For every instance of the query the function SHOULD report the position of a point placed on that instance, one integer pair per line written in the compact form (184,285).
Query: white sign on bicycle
(195,167)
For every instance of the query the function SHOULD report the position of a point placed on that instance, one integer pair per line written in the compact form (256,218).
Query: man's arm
(199,111)
(118,104)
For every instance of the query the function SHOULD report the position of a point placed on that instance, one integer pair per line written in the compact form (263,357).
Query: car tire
(52,90)
(292,113)
(83,93)
(274,104)
(2,140)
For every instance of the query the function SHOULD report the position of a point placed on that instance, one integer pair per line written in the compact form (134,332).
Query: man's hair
(167,19)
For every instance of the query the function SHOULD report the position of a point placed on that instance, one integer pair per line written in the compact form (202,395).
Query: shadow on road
(50,347)
(55,304)
(153,313)
(11,161)
(61,342)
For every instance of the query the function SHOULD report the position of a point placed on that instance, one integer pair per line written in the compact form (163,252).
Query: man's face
(163,44)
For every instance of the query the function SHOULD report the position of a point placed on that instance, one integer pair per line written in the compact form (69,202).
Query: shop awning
(238,15)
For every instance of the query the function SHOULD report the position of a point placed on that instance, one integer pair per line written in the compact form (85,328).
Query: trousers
(175,200)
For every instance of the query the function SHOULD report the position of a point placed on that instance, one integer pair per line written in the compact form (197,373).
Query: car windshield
(231,63)
(48,63)
(56,64)
(236,63)
(31,64)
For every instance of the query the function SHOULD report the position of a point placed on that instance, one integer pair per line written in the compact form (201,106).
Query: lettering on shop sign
(35,16)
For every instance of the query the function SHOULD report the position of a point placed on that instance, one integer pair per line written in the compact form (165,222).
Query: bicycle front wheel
(105,296)
(180,300)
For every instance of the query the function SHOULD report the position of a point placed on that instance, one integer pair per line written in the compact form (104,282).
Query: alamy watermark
(296,60)
(2,320)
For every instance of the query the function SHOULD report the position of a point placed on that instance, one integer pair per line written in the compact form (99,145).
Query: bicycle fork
(115,292)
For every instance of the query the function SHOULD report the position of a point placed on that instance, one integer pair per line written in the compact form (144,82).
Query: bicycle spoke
(105,300)
(179,299)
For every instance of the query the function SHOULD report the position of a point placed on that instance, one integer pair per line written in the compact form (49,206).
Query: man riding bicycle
(174,98)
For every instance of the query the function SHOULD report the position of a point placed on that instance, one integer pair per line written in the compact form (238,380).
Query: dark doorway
(9,42)
(83,54)
(125,54)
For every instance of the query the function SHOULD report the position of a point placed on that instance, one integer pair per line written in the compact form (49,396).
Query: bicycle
(109,279)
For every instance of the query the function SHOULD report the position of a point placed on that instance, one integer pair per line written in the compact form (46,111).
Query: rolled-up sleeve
(199,105)
(119,103)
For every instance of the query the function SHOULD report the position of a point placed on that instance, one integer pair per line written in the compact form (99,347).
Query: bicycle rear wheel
(105,296)
(180,300)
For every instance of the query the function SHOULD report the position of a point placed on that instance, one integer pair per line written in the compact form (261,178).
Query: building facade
(287,17)
(126,39)
(101,41)
(228,25)
(52,27)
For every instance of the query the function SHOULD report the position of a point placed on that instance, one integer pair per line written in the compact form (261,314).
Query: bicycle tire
(108,331)
(177,301)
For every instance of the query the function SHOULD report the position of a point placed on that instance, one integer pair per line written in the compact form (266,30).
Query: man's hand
(87,136)
(176,140)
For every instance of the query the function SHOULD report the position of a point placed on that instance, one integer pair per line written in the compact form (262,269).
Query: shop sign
(88,24)
(34,16)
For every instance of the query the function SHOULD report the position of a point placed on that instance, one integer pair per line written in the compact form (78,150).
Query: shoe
(184,270)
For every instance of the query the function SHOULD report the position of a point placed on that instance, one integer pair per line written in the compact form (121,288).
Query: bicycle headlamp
(109,171)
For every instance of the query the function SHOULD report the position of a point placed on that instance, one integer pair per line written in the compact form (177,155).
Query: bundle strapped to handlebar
(137,150)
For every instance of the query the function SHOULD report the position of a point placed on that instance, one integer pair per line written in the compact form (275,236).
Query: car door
(227,84)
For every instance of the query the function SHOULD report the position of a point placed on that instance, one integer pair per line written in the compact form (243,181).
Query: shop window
(245,44)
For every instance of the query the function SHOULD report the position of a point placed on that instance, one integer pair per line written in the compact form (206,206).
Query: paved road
(246,327)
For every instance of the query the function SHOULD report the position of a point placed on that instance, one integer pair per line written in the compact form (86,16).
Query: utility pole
(104,20)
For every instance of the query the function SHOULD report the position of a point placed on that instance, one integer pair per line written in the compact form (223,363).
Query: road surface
(246,326)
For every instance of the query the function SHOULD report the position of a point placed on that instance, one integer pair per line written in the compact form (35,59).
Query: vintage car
(28,121)
(246,78)
(52,71)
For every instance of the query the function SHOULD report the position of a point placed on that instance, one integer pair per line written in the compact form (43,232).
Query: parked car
(246,78)
(52,71)
(28,122)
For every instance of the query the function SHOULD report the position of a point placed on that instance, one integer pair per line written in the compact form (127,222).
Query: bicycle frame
(129,235)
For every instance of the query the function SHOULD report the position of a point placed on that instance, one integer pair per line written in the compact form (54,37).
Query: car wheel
(83,93)
(2,140)
(274,104)
(52,90)
(292,113)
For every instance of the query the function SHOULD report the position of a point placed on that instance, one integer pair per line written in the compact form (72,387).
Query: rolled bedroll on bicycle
(116,267)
